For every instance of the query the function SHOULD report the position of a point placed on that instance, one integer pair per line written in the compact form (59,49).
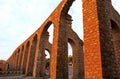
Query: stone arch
(44,45)
(61,51)
(47,64)
(76,20)
(24,57)
(20,57)
(47,26)
(48,49)
(116,42)
(78,60)
(17,59)
(31,56)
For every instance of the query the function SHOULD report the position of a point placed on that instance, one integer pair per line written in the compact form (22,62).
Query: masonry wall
(101,55)
(3,67)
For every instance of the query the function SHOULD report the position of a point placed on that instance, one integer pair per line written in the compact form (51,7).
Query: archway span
(47,33)
(24,57)
(17,59)
(44,44)
(47,26)
(31,56)
(20,58)
(77,58)
(46,41)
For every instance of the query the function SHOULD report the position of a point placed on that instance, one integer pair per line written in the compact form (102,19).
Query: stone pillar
(24,57)
(99,54)
(19,58)
(59,54)
(77,50)
(31,57)
(39,66)
(15,61)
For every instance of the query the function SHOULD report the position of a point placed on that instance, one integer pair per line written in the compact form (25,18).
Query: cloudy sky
(20,18)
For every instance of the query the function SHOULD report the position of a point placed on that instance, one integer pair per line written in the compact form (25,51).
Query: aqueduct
(98,60)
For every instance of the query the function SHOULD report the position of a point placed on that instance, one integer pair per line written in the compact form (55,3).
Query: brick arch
(78,65)
(47,25)
(20,57)
(99,55)
(17,58)
(47,44)
(77,50)
(31,56)
(59,55)
(44,44)
(24,57)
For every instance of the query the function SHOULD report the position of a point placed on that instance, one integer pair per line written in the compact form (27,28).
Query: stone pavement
(20,77)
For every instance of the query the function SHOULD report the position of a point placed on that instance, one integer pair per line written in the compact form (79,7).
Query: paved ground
(20,77)
(12,77)
(23,77)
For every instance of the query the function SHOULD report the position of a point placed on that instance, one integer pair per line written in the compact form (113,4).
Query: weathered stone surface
(3,65)
(100,52)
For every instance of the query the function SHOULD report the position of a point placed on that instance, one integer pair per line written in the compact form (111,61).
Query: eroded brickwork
(92,53)
(3,65)
(101,57)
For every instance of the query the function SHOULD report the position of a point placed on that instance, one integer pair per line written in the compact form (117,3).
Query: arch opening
(24,57)
(45,47)
(31,57)
(75,49)
(50,30)
(77,17)
(47,63)
(18,58)
(70,60)
(20,61)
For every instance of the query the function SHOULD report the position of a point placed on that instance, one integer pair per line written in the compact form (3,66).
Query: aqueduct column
(59,55)
(25,56)
(99,54)
(20,57)
(31,57)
